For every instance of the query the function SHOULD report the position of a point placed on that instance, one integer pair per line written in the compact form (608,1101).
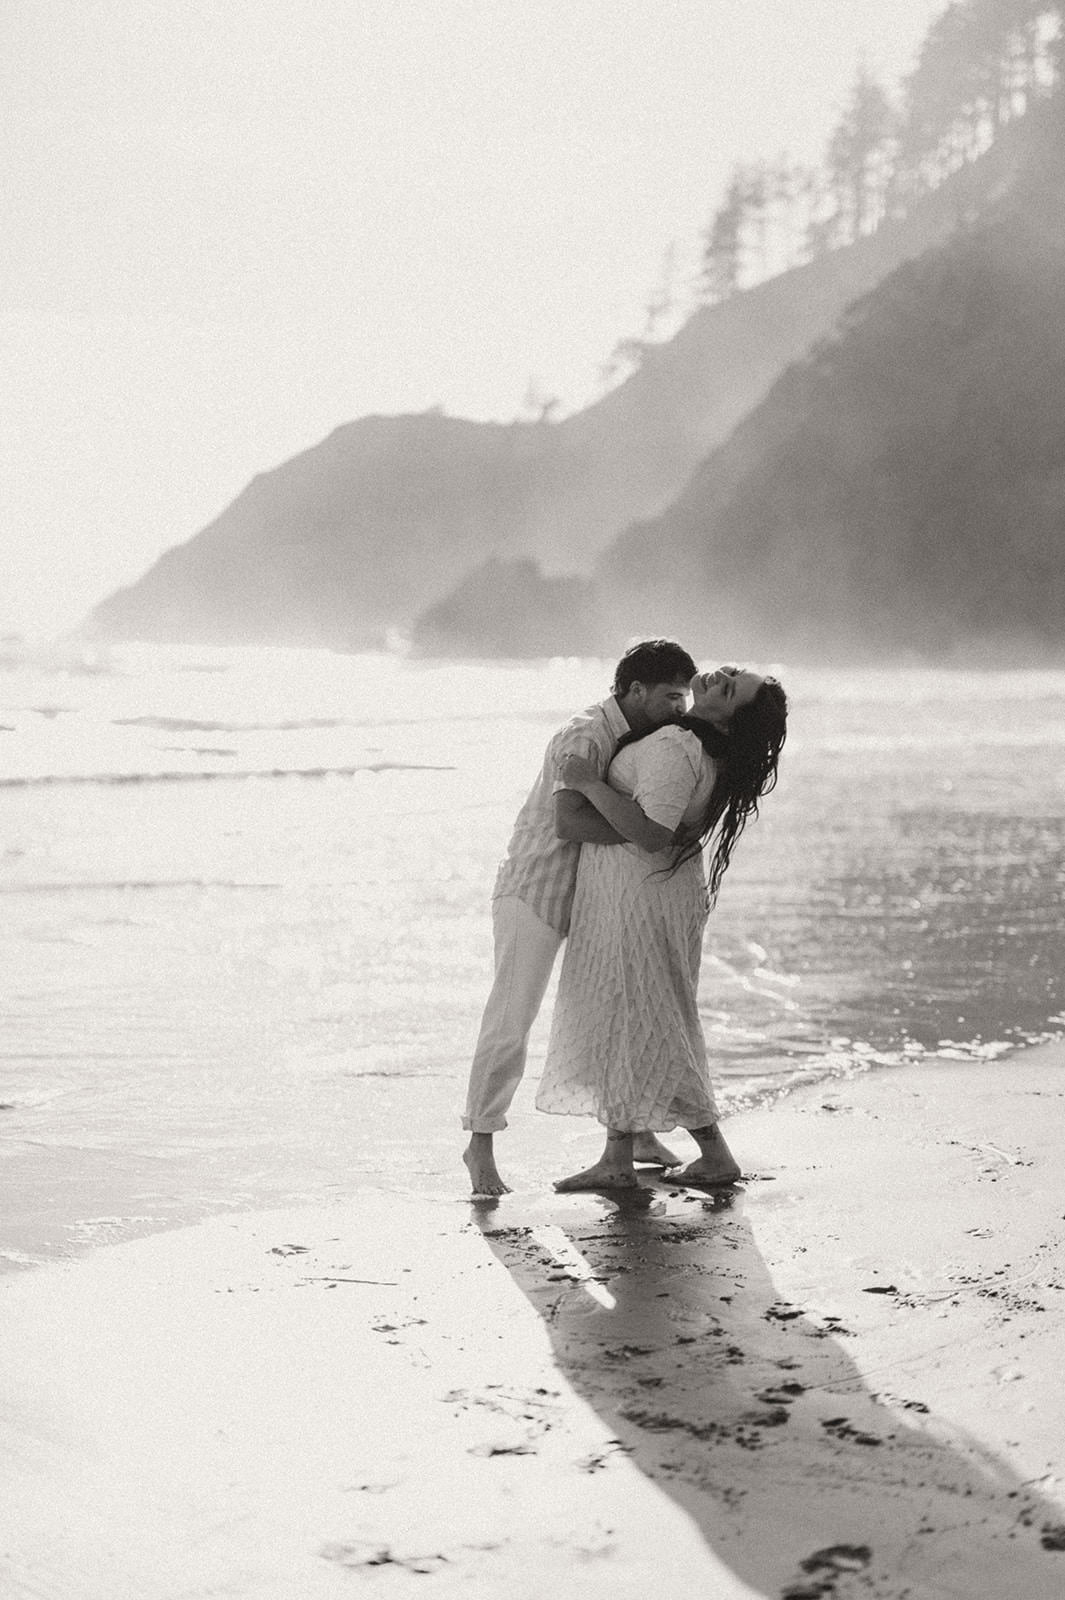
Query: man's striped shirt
(539,867)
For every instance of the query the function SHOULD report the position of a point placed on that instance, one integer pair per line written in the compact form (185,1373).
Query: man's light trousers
(525,951)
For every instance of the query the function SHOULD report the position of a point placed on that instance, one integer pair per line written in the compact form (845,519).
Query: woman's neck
(713,739)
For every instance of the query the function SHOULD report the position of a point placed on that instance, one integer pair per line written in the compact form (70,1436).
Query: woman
(626,1043)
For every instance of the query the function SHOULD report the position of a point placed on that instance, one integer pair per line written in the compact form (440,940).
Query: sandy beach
(842,1380)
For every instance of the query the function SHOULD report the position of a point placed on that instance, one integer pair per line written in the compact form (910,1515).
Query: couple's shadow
(805,1481)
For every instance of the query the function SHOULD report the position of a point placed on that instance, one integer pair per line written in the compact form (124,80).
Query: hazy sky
(233,225)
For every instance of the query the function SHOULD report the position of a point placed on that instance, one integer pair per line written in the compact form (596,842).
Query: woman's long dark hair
(746,760)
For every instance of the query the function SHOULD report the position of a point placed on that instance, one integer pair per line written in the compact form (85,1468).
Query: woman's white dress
(626,1042)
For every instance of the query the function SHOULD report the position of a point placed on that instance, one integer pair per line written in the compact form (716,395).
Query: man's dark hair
(650,662)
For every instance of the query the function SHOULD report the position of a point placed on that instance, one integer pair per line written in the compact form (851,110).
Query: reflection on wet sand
(805,1479)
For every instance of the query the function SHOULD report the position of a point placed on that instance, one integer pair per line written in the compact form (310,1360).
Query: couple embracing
(609,855)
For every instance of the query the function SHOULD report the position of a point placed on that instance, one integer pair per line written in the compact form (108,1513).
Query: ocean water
(246,935)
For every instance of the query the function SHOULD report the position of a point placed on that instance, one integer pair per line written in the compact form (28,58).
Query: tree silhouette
(660,310)
(536,405)
(981,65)
(860,156)
(723,252)
(662,302)
(797,197)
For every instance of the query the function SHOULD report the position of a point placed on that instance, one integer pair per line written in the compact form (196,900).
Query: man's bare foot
(481,1165)
(648,1148)
(605,1174)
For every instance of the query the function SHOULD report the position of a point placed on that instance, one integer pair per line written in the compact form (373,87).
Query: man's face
(649,706)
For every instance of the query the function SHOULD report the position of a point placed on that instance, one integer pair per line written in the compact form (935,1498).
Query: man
(534,888)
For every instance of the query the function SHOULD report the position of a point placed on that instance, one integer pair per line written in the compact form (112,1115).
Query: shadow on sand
(751,1414)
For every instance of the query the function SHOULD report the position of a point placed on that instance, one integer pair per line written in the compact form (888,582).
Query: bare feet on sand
(700,1172)
(481,1164)
(613,1170)
(715,1164)
(604,1175)
(649,1149)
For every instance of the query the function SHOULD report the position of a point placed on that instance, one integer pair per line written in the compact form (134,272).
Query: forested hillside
(901,490)
(358,535)
(772,431)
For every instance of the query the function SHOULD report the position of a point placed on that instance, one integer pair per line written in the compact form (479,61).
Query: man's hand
(620,820)
(577,772)
(577,820)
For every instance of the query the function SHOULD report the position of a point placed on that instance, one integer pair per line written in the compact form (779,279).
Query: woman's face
(716,695)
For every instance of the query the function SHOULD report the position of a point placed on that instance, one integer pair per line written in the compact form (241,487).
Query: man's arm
(620,813)
(578,820)
(626,819)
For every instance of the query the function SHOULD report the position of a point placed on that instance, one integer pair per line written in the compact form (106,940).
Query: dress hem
(644,1127)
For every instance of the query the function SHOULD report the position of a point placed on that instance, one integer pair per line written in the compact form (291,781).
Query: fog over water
(247,931)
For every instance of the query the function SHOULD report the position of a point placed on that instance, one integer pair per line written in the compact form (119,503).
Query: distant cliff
(901,490)
(388,515)
(509,608)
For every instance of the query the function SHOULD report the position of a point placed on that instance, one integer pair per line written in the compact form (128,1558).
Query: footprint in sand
(824,1567)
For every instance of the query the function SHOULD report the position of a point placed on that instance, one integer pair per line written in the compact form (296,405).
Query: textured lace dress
(626,1043)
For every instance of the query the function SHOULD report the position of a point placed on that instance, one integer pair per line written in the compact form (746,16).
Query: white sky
(233,225)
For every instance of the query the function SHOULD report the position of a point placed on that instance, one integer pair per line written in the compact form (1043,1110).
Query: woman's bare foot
(648,1148)
(481,1164)
(606,1174)
(715,1164)
(706,1173)
(613,1170)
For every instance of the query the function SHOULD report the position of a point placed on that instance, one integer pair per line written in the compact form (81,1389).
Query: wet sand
(839,1380)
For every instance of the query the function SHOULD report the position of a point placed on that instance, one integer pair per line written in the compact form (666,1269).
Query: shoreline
(67,1200)
(840,1382)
